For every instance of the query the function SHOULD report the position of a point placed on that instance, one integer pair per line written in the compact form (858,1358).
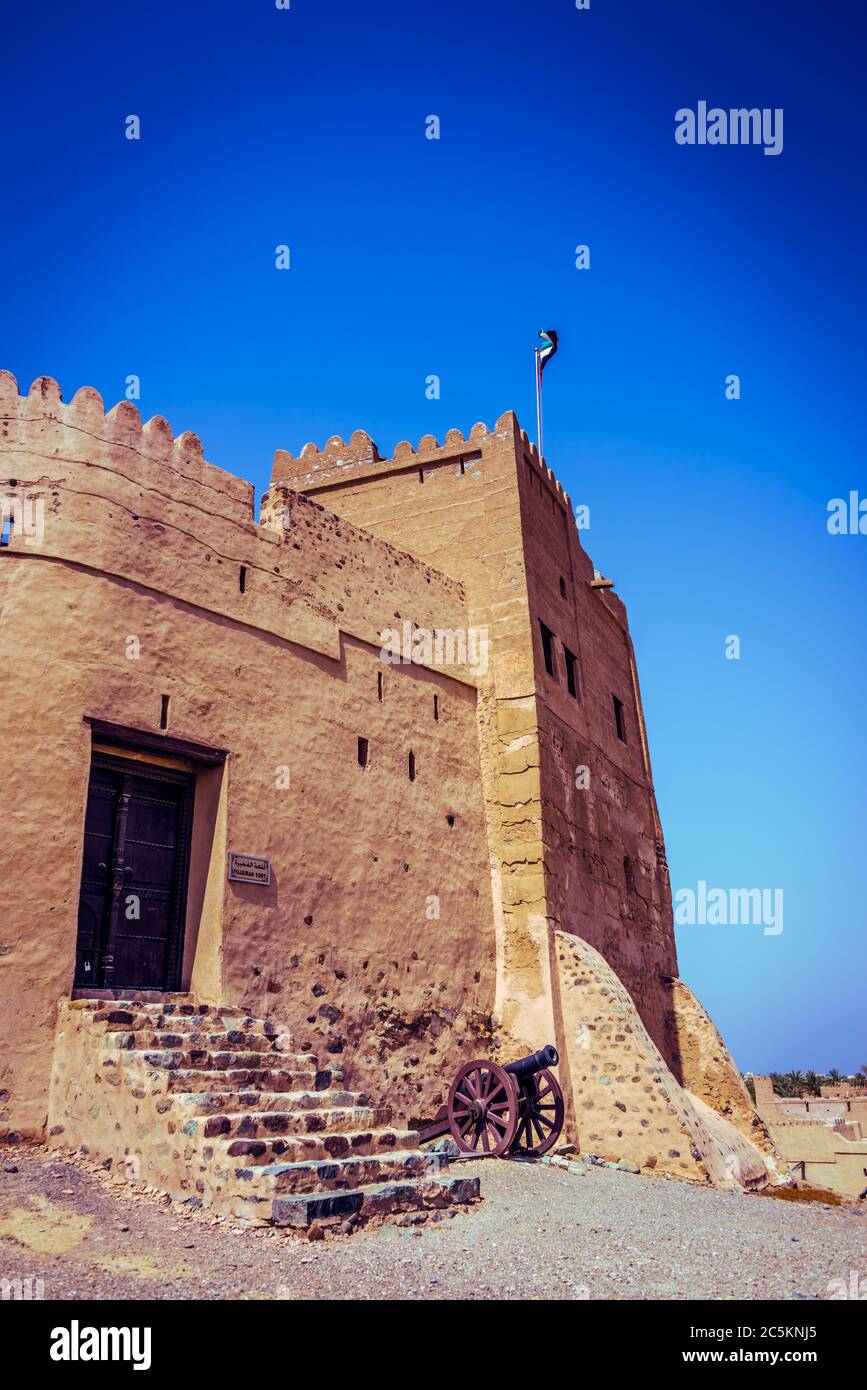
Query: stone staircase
(207,1103)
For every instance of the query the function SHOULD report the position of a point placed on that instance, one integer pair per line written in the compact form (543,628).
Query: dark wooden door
(134,876)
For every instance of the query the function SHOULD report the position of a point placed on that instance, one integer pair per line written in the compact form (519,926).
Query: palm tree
(795,1081)
(812,1083)
(778,1083)
(834,1077)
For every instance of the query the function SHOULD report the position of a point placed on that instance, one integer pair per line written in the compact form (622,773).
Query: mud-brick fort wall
(605,869)
(587,859)
(456,506)
(263,643)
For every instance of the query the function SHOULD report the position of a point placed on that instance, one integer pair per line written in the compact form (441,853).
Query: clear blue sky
(411,257)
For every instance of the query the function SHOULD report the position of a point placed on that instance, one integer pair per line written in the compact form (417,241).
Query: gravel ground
(541,1232)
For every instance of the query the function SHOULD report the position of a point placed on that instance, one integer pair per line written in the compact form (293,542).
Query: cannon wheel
(540,1114)
(483,1109)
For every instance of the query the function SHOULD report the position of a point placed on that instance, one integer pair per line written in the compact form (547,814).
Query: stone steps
(239,1080)
(202,1059)
(336,1175)
(189,1025)
(243,1103)
(312,1148)
(335,1120)
(110,1011)
(204,1100)
(380,1199)
(235,1040)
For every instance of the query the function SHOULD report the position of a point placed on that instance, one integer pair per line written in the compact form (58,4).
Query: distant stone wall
(826,1157)
(774,1108)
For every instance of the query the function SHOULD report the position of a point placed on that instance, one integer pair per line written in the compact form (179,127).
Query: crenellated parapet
(131,503)
(60,430)
(337,462)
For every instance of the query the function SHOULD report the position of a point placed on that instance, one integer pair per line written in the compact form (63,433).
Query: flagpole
(538,402)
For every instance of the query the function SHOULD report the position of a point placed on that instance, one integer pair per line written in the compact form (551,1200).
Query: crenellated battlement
(43,411)
(129,501)
(338,463)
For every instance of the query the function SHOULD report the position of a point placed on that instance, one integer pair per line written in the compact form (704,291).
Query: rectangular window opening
(547,647)
(629,875)
(242,579)
(619,719)
(571,672)
(436,706)
(363,752)
(562,587)
(6,533)
(411,766)
(164,712)
(379,686)
(421,475)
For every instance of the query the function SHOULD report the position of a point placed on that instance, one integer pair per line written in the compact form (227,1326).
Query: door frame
(131,767)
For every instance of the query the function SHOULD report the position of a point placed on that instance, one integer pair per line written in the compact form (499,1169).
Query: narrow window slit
(164,712)
(242,579)
(379,686)
(411,766)
(363,752)
(629,875)
(547,647)
(436,706)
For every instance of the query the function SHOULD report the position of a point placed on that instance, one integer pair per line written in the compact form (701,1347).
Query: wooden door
(134,876)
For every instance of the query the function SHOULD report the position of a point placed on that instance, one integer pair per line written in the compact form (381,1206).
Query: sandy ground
(541,1232)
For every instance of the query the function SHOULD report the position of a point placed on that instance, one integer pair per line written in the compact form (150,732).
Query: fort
(822,1138)
(132,964)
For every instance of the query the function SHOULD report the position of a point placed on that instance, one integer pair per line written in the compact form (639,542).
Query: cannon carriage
(495,1111)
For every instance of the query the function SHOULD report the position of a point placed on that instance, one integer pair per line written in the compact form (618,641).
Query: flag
(550,343)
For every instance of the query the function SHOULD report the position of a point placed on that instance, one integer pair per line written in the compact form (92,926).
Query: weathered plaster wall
(145,539)
(488,513)
(457,507)
(597,792)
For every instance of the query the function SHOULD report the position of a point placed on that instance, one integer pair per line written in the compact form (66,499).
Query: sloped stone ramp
(628,1103)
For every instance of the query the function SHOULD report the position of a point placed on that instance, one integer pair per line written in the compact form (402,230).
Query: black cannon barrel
(547,1056)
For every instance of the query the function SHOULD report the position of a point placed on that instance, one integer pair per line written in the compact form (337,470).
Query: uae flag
(550,343)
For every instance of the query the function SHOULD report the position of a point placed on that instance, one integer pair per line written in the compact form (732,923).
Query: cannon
(493,1110)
